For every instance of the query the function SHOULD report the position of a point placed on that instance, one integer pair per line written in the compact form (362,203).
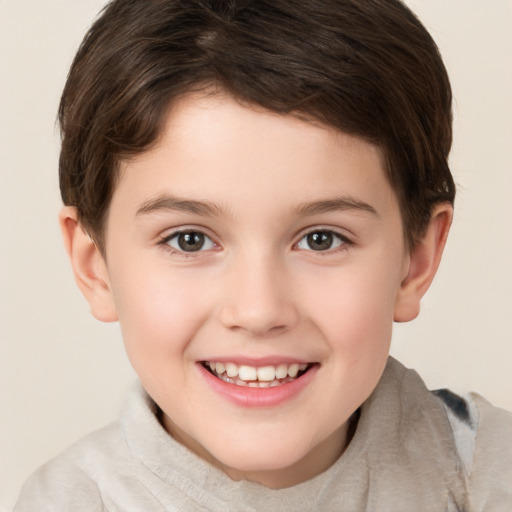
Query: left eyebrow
(173,203)
(334,205)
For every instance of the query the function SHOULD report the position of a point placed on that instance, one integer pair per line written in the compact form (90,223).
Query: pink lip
(257,397)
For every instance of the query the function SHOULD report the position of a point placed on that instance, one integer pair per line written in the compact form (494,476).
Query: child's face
(261,240)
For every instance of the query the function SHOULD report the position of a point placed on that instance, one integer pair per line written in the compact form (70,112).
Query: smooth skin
(213,253)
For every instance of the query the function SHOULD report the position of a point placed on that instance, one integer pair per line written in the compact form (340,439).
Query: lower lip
(245,396)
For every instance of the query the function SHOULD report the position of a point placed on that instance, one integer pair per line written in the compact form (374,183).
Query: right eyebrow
(174,203)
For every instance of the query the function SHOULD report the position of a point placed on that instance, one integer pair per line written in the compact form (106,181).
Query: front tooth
(266,373)
(220,368)
(247,373)
(293,370)
(232,369)
(282,371)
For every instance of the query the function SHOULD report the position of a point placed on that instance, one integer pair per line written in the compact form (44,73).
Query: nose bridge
(259,297)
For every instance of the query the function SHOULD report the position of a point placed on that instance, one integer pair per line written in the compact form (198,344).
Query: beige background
(62,374)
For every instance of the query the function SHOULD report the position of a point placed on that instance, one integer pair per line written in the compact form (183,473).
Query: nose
(259,299)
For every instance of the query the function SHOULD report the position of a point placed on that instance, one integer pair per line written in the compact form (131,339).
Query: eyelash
(344,242)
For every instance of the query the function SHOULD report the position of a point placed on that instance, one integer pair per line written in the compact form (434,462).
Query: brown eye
(321,240)
(190,241)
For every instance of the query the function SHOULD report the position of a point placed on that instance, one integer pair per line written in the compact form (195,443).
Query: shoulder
(69,481)
(483,437)
(106,470)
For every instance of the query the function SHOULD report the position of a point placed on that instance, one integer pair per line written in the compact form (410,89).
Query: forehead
(214,148)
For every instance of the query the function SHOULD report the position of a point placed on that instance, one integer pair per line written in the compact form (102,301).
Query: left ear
(424,261)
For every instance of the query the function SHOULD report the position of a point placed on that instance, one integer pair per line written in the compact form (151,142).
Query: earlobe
(88,265)
(423,265)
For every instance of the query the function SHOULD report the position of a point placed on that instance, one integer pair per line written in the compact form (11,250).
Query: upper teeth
(261,373)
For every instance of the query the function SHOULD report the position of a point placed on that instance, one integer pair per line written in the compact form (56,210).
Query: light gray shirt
(412,450)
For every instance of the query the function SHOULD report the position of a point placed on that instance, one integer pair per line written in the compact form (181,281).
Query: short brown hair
(366,67)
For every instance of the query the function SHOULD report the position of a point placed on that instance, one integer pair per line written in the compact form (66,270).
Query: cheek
(354,308)
(159,311)
(354,314)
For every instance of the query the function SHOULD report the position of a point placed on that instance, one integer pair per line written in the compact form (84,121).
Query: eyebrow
(335,204)
(168,202)
(206,208)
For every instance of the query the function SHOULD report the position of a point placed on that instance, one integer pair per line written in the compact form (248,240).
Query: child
(256,191)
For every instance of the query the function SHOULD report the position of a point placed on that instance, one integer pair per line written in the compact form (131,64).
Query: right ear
(88,265)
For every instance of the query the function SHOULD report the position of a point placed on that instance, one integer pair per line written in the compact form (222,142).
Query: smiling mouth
(257,377)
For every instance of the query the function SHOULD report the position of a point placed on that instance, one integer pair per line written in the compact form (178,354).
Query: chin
(248,457)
